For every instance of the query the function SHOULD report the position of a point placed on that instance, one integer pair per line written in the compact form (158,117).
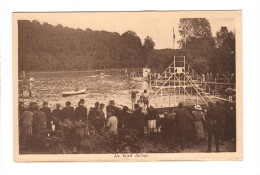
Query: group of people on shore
(185,126)
(191,126)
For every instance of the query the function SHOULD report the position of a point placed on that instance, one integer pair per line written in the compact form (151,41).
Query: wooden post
(161,97)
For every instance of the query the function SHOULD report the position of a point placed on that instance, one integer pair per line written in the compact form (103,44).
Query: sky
(157,25)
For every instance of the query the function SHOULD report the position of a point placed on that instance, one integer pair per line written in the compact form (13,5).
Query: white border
(251,72)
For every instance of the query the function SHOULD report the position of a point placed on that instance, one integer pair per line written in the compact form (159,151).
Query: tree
(224,57)
(193,28)
(198,42)
(148,47)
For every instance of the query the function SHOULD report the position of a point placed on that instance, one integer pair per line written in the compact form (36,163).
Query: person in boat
(93,113)
(47,112)
(81,111)
(68,112)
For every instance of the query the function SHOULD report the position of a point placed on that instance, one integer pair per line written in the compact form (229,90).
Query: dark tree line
(44,47)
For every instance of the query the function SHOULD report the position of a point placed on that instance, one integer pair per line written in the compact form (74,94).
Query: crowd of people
(184,127)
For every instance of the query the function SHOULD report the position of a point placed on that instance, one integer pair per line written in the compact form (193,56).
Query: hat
(45,103)
(82,101)
(68,103)
(198,107)
(180,105)
(97,104)
(125,108)
(112,102)
(210,104)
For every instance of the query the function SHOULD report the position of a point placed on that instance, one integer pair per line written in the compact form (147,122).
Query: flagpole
(173,38)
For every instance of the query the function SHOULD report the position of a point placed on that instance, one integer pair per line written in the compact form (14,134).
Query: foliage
(44,47)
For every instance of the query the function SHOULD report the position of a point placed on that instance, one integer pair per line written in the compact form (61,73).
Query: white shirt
(112,124)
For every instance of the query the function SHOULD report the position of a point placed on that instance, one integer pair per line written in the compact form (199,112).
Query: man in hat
(47,112)
(101,112)
(68,112)
(39,120)
(56,113)
(212,122)
(57,116)
(183,124)
(93,113)
(81,111)
(99,120)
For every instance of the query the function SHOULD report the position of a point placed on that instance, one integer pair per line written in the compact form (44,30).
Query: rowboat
(76,92)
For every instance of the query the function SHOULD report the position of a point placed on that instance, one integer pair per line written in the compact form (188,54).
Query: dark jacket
(68,113)
(183,120)
(56,113)
(81,112)
(93,113)
(47,112)
(137,120)
(39,121)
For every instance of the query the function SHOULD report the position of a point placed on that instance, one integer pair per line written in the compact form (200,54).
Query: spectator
(57,116)
(27,121)
(81,111)
(93,113)
(68,112)
(39,121)
(138,122)
(212,123)
(183,124)
(112,123)
(199,117)
(47,112)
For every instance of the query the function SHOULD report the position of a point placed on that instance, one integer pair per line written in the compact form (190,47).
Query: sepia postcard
(127,86)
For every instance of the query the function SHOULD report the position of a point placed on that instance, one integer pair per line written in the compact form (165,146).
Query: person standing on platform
(212,123)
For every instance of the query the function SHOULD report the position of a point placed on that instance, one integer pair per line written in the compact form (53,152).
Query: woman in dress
(199,117)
